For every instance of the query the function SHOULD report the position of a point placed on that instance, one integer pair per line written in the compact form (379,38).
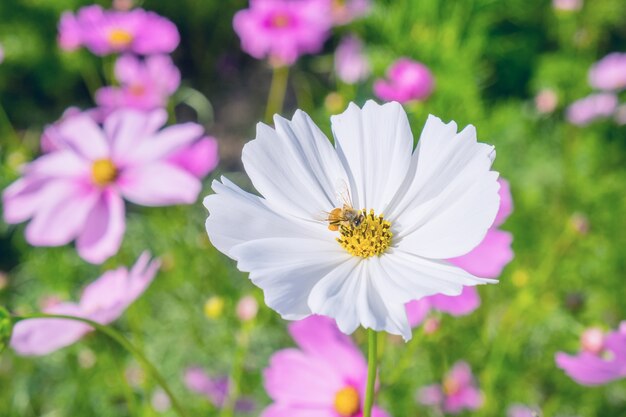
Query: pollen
(103,172)
(347,402)
(120,38)
(451,386)
(371,237)
(280,20)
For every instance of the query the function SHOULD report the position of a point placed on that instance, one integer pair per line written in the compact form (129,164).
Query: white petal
(450,197)
(287,269)
(374,144)
(236,217)
(294,167)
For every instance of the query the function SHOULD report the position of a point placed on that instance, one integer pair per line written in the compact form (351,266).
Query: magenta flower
(144,84)
(408,80)
(487,260)
(282,30)
(326,376)
(216,390)
(351,64)
(609,73)
(102,301)
(345,11)
(593,107)
(111,31)
(457,393)
(601,360)
(77,190)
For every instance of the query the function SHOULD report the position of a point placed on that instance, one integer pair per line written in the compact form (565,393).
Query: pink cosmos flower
(486,260)
(457,393)
(326,376)
(144,84)
(408,80)
(282,30)
(345,11)
(609,73)
(595,106)
(601,360)
(351,64)
(76,191)
(110,31)
(215,389)
(102,301)
(567,5)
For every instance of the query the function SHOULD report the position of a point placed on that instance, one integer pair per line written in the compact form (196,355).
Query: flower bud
(247,308)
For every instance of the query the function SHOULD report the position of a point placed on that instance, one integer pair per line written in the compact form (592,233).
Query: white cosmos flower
(428,205)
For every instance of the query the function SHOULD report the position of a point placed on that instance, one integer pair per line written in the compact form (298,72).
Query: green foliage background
(489,58)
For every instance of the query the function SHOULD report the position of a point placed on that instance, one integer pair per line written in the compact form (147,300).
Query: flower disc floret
(120,38)
(371,237)
(347,401)
(103,171)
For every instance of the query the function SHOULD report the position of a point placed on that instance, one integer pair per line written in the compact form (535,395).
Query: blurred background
(509,67)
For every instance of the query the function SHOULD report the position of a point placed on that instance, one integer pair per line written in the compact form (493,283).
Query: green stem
(123,342)
(236,372)
(372,358)
(276,95)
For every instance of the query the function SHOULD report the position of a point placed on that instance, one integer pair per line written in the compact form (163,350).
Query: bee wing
(343,193)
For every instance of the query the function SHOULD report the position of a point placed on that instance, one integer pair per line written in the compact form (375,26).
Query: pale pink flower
(102,301)
(599,361)
(215,389)
(408,80)
(487,260)
(110,31)
(282,30)
(609,73)
(325,376)
(593,107)
(546,101)
(345,11)
(77,190)
(247,308)
(567,5)
(144,84)
(351,64)
(519,410)
(457,393)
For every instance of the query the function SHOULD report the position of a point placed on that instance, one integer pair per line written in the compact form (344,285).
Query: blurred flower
(1,53)
(216,390)
(345,11)
(144,84)
(135,376)
(282,30)
(579,223)
(546,101)
(431,325)
(457,393)
(408,80)
(124,5)
(334,102)
(486,260)
(519,278)
(344,268)
(160,401)
(76,191)
(247,308)
(609,73)
(325,376)
(213,307)
(351,64)
(86,358)
(519,410)
(4,280)
(590,108)
(567,5)
(601,360)
(111,31)
(620,115)
(102,301)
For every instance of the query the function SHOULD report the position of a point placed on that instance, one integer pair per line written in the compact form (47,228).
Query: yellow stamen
(347,402)
(371,237)
(120,38)
(280,20)
(103,172)
(137,90)
(450,386)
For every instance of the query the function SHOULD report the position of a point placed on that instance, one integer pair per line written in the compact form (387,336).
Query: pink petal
(458,305)
(159,184)
(281,410)
(589,369)
(169,140)
(59,164)
(61,217)
(466,399)
(82,134)
(22,199)
(43,336)
(198,159)
(104,228)
(488,259)
(417,310)
(506,203)
(431,395)
(129,129)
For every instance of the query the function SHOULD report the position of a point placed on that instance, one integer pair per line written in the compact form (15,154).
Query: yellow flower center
(371,237)
(137,90)
(103,172)
(280,20)
(213,307)
(347,402)
(450,386)
(120,38)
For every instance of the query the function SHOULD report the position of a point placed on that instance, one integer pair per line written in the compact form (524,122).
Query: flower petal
(506,203)
(104,228)
(297,156)
(129,129)
(458,305)
(374,144)
(158,184)
(82,134)
(280,410)
(59,164)
(22,199)
(489,257)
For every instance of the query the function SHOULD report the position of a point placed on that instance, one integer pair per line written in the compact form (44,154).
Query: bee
(345,215)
